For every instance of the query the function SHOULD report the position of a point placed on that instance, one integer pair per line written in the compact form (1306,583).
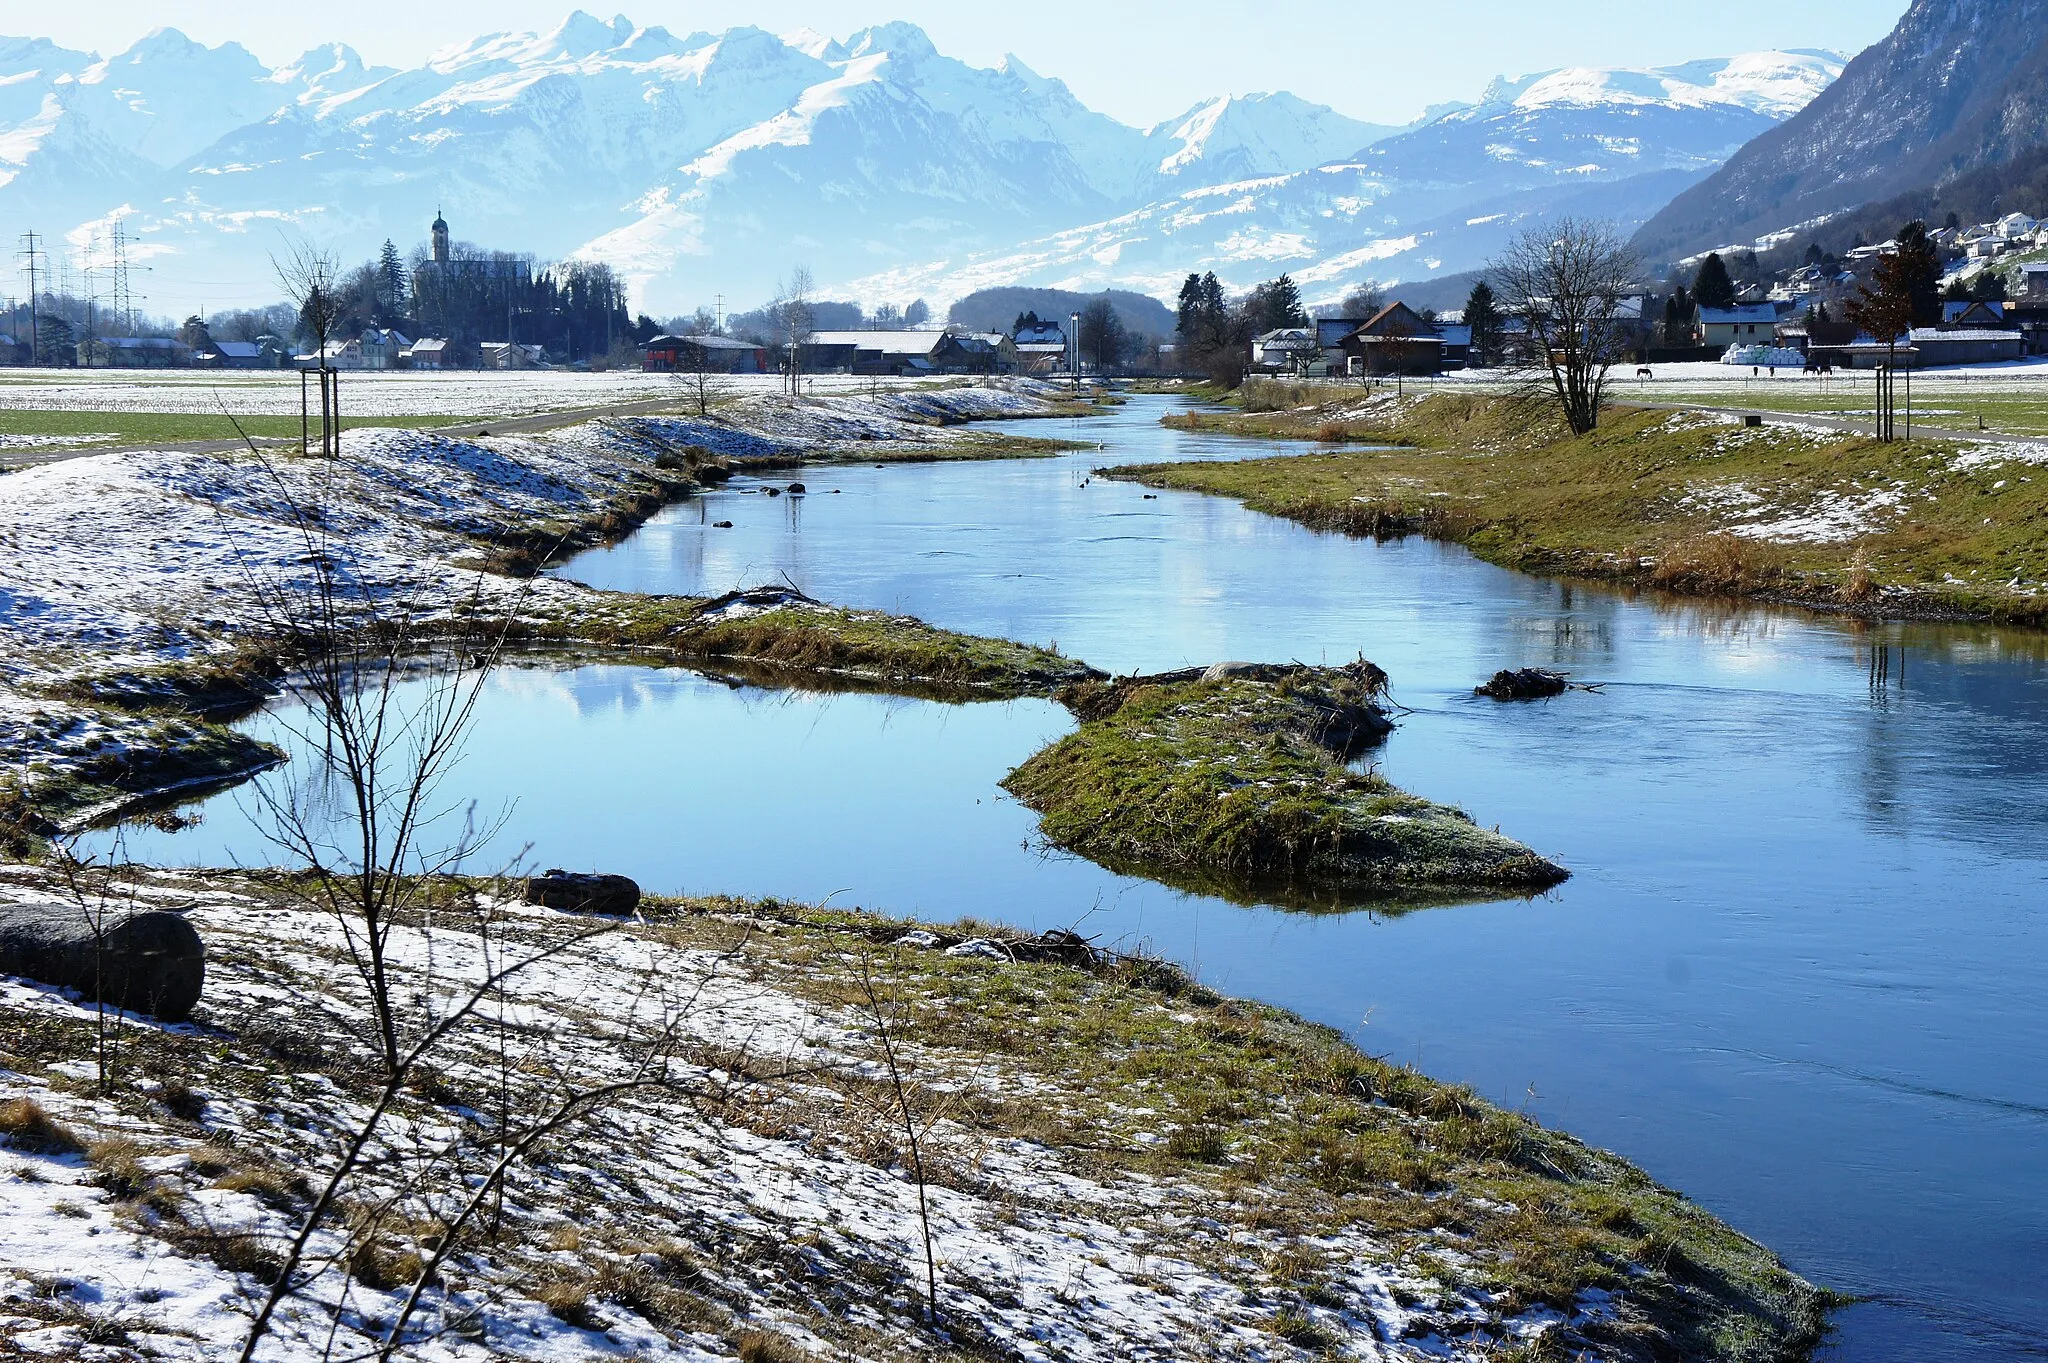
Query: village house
(1285,350)
(510,355)
(383,348)
(2026,306)
(1040,348)
(1395,340)
(426,353)
(1743,324)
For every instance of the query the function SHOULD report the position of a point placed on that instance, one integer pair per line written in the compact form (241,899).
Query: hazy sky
(1140,62)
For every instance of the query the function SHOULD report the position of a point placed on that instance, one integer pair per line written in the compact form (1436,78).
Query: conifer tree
(1921,267)
(1713,287)
(391,280)
(1483,315)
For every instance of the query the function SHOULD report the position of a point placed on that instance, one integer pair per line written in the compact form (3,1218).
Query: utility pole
(35,346)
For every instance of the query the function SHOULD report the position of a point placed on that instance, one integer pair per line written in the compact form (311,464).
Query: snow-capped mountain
(716,163)
(1437,199)
(1958,91)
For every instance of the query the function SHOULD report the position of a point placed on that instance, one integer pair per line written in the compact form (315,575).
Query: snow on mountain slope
(1437,199)
(1242,137)
(712,163)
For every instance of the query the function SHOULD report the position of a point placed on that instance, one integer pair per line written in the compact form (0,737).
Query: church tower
(440,230)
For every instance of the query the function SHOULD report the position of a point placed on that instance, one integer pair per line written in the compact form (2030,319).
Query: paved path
(509,425)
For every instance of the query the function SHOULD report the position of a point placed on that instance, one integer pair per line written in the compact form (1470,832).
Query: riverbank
(1235,780)
(1945,529)
(142,587)
(1116,1163)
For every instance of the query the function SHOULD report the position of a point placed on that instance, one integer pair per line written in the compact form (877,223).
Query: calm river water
(1801,970)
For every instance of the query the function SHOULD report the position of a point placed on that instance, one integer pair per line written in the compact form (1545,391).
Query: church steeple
(440,230)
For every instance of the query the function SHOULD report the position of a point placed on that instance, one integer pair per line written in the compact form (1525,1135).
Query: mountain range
(1956,94)
(716,163)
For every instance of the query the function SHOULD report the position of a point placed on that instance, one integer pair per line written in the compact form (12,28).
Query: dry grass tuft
(1861,585)
(30,1129)
(758,1346)
(1718,565)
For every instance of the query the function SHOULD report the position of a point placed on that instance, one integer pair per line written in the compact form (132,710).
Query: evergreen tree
(1813,253)
(1188,315)
(1921,267)
(1678,318)
(1713,287)
(1278,305)
(1483,315)
(917,314)
(391,281)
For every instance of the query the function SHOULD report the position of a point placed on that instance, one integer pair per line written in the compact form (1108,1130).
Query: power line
(31,250)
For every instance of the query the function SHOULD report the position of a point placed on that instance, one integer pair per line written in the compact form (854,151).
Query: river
(1799,972)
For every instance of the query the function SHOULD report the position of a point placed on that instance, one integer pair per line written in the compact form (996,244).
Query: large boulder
(577,892)
(153,963)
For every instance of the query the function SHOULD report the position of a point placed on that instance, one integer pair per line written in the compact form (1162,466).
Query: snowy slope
(1438,199)
(717,163)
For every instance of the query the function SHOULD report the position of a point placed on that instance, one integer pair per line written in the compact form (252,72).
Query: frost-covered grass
(1239,785)
(1119,1164)
(1690,501)
(367,393)
(23,431)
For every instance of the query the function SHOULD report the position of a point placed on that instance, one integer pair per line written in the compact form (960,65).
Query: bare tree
(310,276)
(796,317)
(1567,281)
(700,379)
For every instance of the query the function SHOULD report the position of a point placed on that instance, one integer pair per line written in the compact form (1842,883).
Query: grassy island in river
(1235,778)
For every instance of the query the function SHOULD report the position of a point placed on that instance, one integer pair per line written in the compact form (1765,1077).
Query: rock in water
(153,963)
(576,892)
(1527,683)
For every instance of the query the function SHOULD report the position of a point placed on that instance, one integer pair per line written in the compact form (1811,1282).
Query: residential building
(1287,350)
(426,353)
(510,355)
(1744,324)
(383,348)
(1040,349)
(1395,340)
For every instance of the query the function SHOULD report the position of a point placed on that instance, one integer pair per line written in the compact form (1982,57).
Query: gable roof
(1747,312)
(1394,314)
(888,342)
(1976,310)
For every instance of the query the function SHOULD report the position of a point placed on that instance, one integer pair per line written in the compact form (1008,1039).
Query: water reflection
(1797,972)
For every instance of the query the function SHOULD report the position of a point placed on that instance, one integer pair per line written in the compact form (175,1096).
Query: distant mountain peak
(898,38)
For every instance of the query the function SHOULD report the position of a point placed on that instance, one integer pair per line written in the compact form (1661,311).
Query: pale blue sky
(1140,62)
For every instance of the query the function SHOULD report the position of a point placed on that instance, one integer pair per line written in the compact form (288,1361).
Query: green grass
(1231,781)
(1642,501)
(150,428)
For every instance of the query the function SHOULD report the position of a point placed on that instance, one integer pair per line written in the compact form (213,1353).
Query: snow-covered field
(762,1187)
(368,393)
